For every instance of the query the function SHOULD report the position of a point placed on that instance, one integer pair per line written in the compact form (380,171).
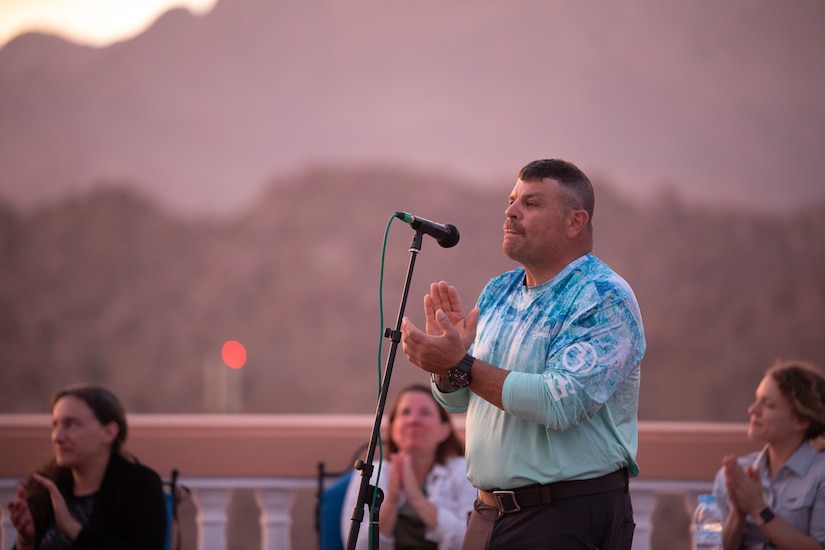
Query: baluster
(211,503)
(276,517)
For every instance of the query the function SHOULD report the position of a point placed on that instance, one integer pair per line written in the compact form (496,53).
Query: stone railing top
(291,445)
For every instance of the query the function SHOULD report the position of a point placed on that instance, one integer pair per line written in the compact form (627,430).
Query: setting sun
(233,354)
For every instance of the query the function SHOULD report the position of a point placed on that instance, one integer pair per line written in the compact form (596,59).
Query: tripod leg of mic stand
(374,515)
(374,509)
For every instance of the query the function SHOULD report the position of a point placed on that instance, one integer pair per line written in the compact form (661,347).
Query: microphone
(446,235)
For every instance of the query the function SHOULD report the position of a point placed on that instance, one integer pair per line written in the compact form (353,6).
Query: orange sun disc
(233,354)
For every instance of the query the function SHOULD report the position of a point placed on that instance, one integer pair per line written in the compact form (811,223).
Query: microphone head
(451,239)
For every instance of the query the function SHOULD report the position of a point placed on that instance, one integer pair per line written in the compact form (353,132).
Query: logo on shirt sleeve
(579,358)
(560,385)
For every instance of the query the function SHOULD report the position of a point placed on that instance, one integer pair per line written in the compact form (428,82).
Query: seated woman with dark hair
(89,495)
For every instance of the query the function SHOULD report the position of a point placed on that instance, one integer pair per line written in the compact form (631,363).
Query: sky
(95,23)
(716,100)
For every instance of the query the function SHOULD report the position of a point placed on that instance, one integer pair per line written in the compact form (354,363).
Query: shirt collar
(799,462)
(802,459)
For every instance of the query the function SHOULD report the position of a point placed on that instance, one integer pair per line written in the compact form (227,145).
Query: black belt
(536,495)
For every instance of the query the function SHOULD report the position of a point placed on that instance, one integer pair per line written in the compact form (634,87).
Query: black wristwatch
(459,375)
(766,514)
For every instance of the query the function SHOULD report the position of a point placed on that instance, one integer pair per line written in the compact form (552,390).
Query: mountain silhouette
(109,287)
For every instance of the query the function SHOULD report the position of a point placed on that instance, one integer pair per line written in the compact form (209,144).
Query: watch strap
(466,363)
(766,514)
(439,381)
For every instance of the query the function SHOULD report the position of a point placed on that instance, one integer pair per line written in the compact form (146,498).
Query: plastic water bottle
(707,524)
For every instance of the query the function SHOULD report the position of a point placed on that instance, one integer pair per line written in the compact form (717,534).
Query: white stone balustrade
(279,455)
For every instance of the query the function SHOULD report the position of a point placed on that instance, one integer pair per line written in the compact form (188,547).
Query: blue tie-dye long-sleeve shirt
(574,346)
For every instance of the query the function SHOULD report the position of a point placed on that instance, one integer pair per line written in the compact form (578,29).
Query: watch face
(766,514)
(459,378)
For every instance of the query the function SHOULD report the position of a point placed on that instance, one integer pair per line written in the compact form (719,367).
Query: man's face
(534,231)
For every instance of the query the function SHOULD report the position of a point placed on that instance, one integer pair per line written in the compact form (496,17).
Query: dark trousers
(603,522)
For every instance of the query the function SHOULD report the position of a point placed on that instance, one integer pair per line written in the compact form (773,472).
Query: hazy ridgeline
(108,287)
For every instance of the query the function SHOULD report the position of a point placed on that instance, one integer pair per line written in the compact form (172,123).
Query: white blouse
(447,488)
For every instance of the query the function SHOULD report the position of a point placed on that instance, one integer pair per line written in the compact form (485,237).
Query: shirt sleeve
(818,514)
(599,347)
(454,496)
(454,402)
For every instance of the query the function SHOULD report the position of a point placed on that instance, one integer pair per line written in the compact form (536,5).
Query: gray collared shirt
(797,494)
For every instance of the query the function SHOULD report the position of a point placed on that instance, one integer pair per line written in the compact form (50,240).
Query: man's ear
(577,220)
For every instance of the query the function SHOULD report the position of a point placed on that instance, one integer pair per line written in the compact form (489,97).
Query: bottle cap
(706,499)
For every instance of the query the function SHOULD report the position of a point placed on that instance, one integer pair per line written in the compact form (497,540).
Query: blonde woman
(775,498)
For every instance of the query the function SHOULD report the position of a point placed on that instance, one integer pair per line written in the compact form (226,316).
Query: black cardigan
(129,510)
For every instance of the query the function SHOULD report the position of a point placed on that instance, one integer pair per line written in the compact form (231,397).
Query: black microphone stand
(365,491)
